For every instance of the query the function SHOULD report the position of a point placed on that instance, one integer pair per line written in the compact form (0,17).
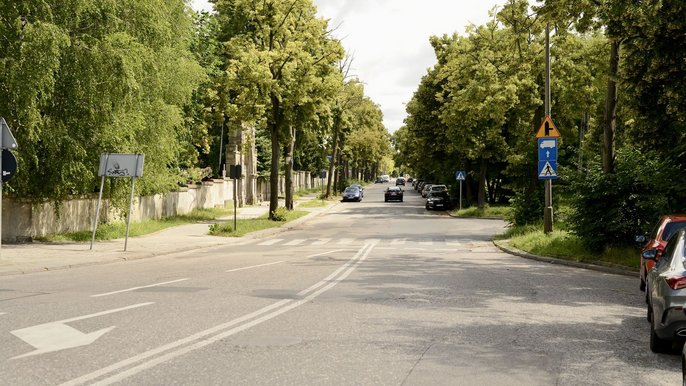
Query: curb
(504,246)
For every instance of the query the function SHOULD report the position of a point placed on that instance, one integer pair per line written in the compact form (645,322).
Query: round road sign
(9,165)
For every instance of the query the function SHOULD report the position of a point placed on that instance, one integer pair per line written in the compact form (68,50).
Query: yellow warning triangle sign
(548,129)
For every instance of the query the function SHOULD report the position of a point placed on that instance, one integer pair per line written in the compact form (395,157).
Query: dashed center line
(137,288)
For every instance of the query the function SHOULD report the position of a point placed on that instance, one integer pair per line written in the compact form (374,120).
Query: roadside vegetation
(495,211)
(246,226)
(117,230)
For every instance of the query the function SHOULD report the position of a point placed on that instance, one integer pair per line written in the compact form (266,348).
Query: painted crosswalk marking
(321,241)
(345,241)
(295,242)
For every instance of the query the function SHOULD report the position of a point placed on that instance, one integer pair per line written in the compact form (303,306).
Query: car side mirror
(650,254)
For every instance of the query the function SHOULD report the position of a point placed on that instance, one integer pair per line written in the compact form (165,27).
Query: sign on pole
(118,165)
(7,141)
(460,175)
(548,129)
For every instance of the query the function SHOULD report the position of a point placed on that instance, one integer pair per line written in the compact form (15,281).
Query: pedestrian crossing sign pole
(460,175)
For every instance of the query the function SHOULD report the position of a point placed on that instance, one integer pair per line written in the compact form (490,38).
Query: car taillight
(676,282)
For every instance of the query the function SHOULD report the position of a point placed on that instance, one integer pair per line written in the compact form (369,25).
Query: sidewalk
(39,256)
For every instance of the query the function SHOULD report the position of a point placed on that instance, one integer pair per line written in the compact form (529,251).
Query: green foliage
(527,209)
(280,214)
(610,209)
(80,78)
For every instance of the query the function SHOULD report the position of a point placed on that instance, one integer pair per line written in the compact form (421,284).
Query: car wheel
(401,200)
(657,344)
(385,200)
(649,313)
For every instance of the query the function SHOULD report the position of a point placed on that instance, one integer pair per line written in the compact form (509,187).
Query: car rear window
(672,228)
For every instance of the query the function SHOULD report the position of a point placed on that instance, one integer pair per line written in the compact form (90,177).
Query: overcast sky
(389,41)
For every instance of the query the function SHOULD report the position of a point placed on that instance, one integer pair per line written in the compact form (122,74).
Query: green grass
(315,203)
(564,245)
(117,230)
(489,211)
(246,226)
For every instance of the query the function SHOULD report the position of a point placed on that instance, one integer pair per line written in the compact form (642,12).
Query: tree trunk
(610,121)
(289,169)
(331,179)
(481,199)
(276,152)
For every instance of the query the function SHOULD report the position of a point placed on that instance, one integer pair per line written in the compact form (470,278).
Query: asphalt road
(367,293)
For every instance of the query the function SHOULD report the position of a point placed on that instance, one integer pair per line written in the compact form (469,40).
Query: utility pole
(548,211)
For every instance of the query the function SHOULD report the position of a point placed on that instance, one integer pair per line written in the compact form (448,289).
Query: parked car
(438,200)
(352,193)
(657,239)
(417,183)
(666,293)
(379,180)
(438,188)
(393,193)
(400,181)
(426,189)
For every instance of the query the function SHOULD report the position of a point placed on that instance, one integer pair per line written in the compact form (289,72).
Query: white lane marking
(345,241)
(398,241)
(325,253)
(295,242)
(137,288)
(426,243)
(3,313)
(253,266)
(453,243)
(203,338)
(56,336)
(320,241)
(270,242)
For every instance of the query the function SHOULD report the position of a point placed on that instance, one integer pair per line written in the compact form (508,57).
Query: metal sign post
(235,172)
(460,175)
(118,165)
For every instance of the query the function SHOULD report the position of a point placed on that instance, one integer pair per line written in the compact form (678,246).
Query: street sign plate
(460,175)
(8,141)
(121,165)
(9,165)
(547,170)
(548,129)
(547,149)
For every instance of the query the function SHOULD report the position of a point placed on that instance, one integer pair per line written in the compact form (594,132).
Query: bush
(527,210)
(280,214)
(610,209)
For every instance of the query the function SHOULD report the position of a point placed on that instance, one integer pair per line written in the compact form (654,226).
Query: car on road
(400,181)
(379,180)
(438,200)
(666,294)
(666,226)
(393,193)
(352,193)
(358,186)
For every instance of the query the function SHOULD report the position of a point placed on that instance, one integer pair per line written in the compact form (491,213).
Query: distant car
(379,181)
(438,200)
(352,193)
(657,239)
(425,190)
(666,294)
(438,188)
(400,181)
(410,179)
(358,186)
(393,193)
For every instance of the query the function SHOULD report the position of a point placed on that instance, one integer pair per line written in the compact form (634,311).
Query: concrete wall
(23,222)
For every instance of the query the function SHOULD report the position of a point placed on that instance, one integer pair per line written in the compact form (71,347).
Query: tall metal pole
(128,217)
(548,211)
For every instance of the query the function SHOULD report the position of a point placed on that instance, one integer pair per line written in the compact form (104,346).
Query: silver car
(666,294)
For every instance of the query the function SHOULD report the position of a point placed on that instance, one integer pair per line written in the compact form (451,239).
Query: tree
(80,78)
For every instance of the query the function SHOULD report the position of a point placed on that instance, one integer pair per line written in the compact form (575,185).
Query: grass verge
(567,246)
(489,211)
(246,226)
(117,230)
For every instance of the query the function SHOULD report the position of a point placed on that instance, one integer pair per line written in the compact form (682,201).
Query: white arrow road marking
(56,336)
(120,371)
(137,288)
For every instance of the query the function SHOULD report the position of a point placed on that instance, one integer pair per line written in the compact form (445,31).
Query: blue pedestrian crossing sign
(547,170)
(547,149)
(460,175)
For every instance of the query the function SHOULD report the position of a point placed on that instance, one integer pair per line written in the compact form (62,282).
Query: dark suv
(438,200)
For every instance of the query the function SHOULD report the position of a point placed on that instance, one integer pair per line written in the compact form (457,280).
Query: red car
(667,226)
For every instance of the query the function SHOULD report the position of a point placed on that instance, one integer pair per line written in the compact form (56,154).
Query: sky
(389,41)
